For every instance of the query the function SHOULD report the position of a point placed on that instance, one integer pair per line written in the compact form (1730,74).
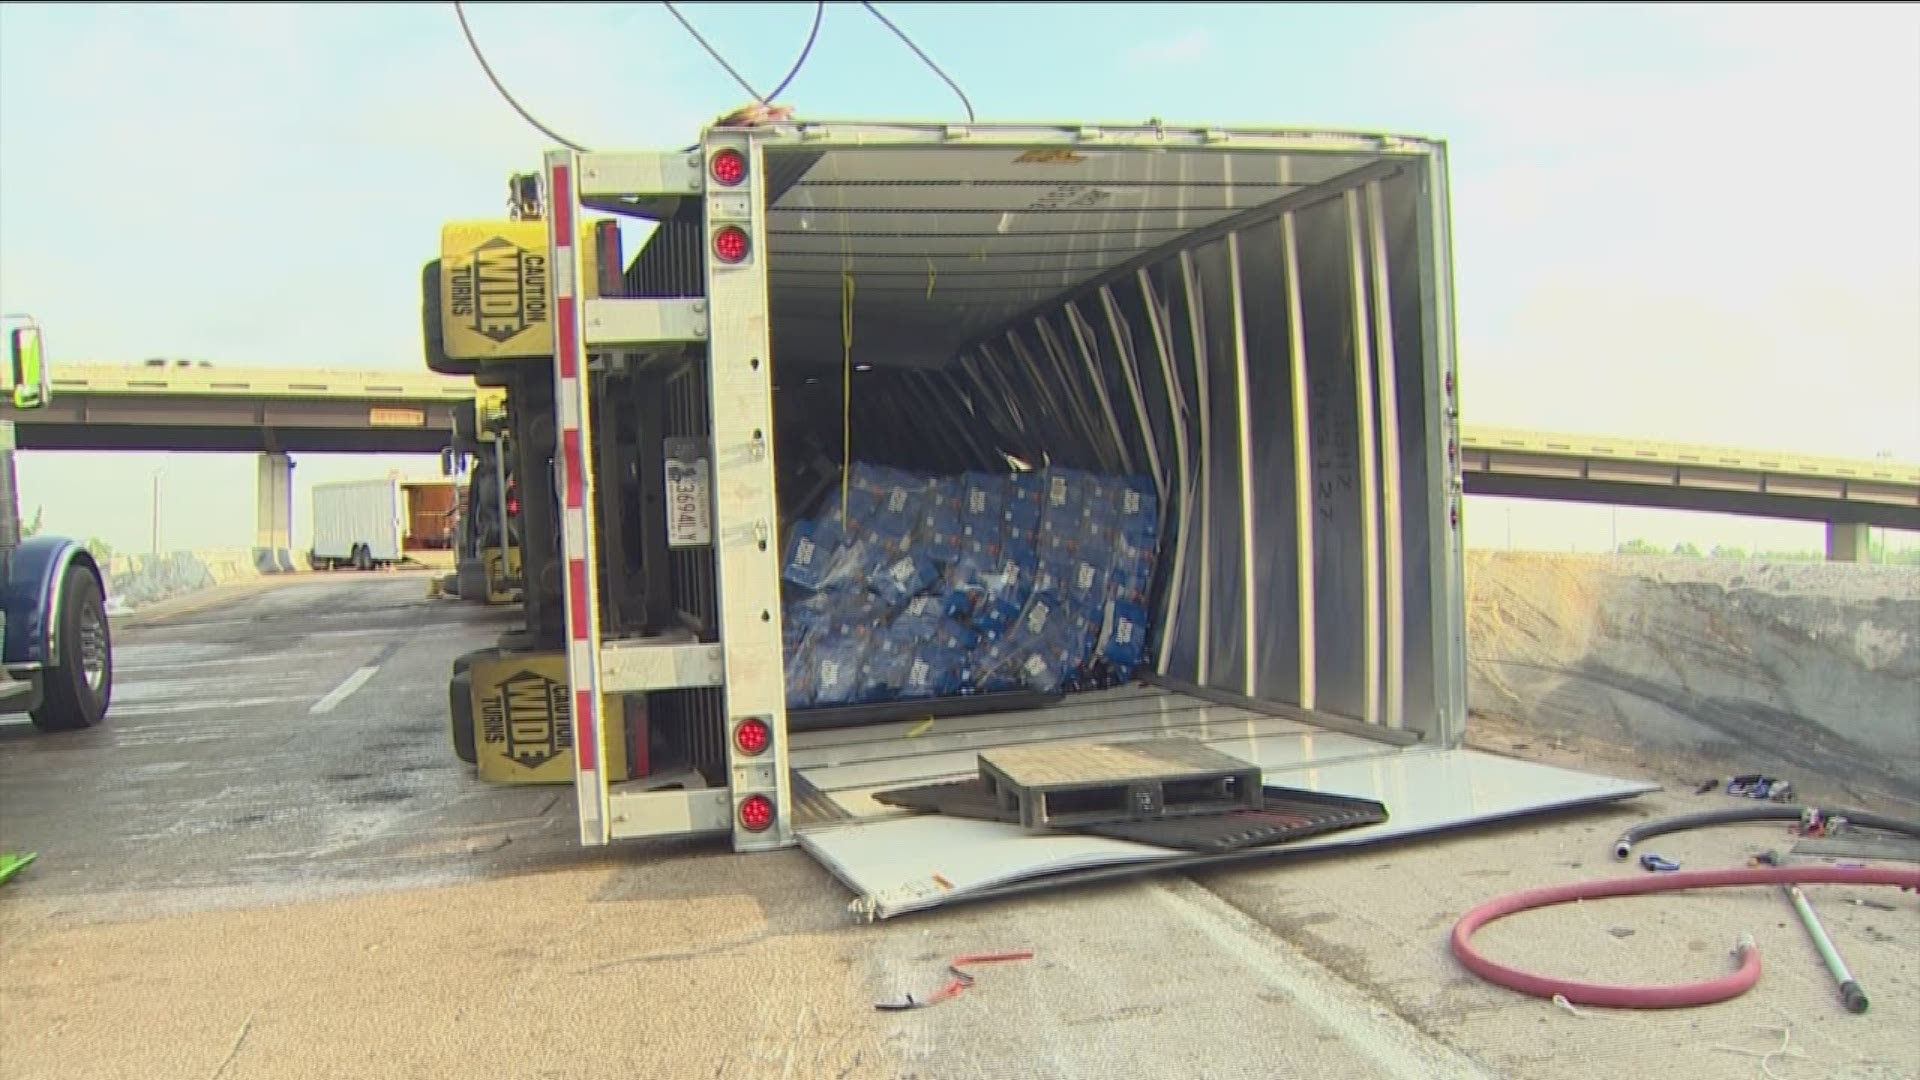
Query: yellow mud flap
(496,289)
(523,721)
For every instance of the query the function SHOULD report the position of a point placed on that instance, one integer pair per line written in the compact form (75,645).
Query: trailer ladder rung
(636,665)
(639,175)
(683,811)
(638,322)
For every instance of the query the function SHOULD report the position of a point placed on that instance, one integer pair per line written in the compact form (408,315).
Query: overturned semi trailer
(1221,361)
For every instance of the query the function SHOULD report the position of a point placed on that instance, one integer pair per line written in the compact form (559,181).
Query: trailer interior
(1258,324)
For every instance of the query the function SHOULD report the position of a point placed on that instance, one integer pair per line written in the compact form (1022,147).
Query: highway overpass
(263,410)
(273,412)
(1848,495)
(281,411)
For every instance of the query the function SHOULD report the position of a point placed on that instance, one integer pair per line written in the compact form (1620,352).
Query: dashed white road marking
(346,688)
(177,665)
(175,708)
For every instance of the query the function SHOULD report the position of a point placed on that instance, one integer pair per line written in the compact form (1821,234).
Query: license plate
(689,503)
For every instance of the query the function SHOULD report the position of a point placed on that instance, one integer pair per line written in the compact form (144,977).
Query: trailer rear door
(897,862)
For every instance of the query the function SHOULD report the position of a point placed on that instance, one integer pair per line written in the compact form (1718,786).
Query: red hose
(1651,997)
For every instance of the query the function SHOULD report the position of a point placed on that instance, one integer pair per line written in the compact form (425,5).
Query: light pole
(156,509)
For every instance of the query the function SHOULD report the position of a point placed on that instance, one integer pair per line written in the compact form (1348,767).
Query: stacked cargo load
(903,586)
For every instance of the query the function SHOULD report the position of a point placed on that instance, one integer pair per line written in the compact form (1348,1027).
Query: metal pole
(1389,391)
(1123,345)
(1177,407)
(156,510)
(1243,399)
(500,494)
(1850,992)
(1363,377)
(10,523)
(1197,333)
(1308,629)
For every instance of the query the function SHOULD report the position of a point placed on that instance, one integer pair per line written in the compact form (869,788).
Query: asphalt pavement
(268,864)
(287,743)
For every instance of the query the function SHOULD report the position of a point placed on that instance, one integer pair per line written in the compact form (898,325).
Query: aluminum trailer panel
(1260,321)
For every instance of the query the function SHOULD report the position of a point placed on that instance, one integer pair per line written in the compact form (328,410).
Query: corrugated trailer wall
(1246,371)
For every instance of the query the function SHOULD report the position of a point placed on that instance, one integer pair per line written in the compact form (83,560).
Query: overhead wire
(924,58)
(460,11)
(806,50)
(793,72)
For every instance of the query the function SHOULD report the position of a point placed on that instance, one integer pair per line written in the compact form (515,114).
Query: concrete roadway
(267,864)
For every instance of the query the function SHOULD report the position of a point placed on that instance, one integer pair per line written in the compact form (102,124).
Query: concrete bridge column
(273,519)
(1847,542)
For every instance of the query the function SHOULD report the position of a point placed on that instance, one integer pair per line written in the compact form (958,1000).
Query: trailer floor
(234,886)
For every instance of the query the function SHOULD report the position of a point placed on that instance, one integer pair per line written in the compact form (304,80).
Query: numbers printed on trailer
(689,494)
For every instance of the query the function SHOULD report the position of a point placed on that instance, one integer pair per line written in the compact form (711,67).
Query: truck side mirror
(26,370)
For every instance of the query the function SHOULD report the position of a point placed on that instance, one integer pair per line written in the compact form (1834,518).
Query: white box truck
(358,523)
(1255,324)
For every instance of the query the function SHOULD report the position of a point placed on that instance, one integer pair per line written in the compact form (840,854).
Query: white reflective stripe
(569,404)
(579,657)
(593,810)
(563,272)
(573,530)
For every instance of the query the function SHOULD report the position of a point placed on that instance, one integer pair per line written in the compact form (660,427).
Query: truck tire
(78,691)
(460,713)
(432,332)
(473,581)
(362,558)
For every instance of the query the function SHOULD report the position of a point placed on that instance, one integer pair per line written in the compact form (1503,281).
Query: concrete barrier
(1801,670)
(273,560)
(134,581)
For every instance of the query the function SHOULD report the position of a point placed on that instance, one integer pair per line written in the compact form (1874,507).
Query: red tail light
(730,244)
(756,813)
(513,501)
(729,167)
(753,736)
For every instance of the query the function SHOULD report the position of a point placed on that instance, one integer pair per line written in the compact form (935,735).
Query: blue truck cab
(55,639)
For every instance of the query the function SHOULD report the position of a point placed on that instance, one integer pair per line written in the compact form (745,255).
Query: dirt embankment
(1809,671)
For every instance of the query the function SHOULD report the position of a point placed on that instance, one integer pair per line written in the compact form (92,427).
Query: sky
(1686,223)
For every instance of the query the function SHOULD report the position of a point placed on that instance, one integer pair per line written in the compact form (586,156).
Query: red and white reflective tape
(570,397)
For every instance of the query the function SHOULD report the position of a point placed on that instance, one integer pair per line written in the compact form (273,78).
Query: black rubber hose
(1623,847)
